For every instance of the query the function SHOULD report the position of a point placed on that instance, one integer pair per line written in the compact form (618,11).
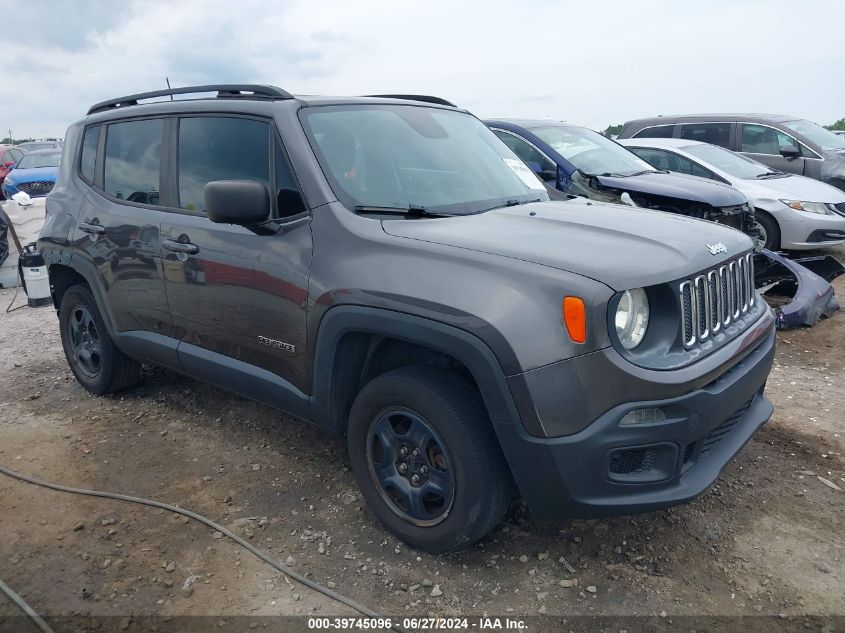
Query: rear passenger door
(117,233)
(238,298)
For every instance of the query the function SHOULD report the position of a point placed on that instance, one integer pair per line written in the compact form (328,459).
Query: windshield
(734,164)
(591,152)
(29,161)
(816,133)
(400,156)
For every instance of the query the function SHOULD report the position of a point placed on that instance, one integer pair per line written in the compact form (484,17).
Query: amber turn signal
(575,317)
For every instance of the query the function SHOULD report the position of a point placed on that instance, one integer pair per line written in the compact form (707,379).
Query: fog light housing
(638,417)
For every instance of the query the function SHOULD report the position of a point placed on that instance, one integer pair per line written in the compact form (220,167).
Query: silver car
(794,212)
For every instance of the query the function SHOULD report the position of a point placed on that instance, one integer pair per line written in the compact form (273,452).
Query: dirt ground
(766,540)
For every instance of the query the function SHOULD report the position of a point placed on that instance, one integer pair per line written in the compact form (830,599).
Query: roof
(779,118)
(530,123)
(668,143)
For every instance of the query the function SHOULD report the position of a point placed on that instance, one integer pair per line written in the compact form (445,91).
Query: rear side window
(89,153)
(658,131)
(713,133)
(133,160)
(220,148)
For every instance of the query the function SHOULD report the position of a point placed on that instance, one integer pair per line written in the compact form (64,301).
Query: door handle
(91,229)
(180,247)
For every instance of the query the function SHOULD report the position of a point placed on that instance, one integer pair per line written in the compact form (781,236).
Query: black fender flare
(467,348)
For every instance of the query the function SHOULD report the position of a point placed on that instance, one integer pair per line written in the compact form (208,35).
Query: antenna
(167,79)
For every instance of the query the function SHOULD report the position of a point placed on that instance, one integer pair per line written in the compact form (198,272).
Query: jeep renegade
(386,268)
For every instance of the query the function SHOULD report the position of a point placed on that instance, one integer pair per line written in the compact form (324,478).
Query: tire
(771,229)
(93,357)
(467,485)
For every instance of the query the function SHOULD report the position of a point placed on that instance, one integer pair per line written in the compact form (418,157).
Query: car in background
(9,157)
(35,146)
(794,212)
(34,174)
(784,143)
(579,161)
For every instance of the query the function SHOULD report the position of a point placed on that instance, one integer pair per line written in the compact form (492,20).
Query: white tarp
(27,217)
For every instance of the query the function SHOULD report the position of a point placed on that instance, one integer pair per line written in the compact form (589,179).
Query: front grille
(37,187)
(840,207)
(632,461)
(714,299)
(720,432)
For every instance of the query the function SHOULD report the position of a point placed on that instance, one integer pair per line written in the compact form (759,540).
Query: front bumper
(607,469)
(803,231)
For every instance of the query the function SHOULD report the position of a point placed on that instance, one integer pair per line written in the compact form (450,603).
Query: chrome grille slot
(715,299)
(688,314)
(702,307)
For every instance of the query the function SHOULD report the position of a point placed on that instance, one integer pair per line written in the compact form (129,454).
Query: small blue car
(34,174)
(576,160)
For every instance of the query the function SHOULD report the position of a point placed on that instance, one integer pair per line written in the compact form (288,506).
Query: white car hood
(791,188)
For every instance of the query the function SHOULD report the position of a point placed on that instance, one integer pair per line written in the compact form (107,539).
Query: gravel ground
(766,540)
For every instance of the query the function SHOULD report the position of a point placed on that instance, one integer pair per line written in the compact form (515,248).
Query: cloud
(591,63)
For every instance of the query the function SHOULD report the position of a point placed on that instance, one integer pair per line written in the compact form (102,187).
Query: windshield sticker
(527,176)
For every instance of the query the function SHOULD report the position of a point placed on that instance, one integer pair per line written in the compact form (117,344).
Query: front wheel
(425,457)
(769,230)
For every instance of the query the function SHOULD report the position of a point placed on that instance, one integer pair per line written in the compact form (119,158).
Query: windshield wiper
(770,174)
(411,209)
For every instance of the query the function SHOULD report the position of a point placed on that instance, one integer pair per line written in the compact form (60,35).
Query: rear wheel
(96,362)
(769,230)
(426,459)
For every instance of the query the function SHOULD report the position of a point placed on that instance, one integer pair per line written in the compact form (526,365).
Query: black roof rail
(423,98)
(224,91)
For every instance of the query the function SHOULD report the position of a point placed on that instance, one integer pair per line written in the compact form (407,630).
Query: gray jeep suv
(786,143)
(387,269)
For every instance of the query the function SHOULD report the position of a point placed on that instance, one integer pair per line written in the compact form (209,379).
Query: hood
(677,186)
(792,188)
(32,175)
(621,246)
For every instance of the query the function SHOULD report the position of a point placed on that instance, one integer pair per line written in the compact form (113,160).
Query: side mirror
(244,202)
(789,151)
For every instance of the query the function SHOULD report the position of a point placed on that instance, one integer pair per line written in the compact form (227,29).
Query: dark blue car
(576,160)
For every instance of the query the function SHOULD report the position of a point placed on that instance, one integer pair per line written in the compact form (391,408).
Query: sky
(592,63)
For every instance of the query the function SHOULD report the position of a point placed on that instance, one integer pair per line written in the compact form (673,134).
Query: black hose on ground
(23,606)
(197,517)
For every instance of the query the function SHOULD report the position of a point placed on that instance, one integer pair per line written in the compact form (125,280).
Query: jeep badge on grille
(717,248)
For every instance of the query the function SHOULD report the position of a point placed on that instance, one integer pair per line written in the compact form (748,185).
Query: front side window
(529,154)
(89,152)
(289,200)
(591,152)
(658,131)
(399,156)
(762,139)
(714,133)
(133,160)
(220,148)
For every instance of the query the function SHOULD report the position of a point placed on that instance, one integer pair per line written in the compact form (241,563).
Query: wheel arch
(68,273)
(354,344)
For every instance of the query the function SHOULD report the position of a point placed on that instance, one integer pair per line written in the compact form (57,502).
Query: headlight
(632,318)
(810,207)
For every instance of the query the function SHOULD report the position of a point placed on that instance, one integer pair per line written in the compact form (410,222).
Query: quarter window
(288,199)
(658,131)
(714,133)
(133,161)
(89,153)
(220,148)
